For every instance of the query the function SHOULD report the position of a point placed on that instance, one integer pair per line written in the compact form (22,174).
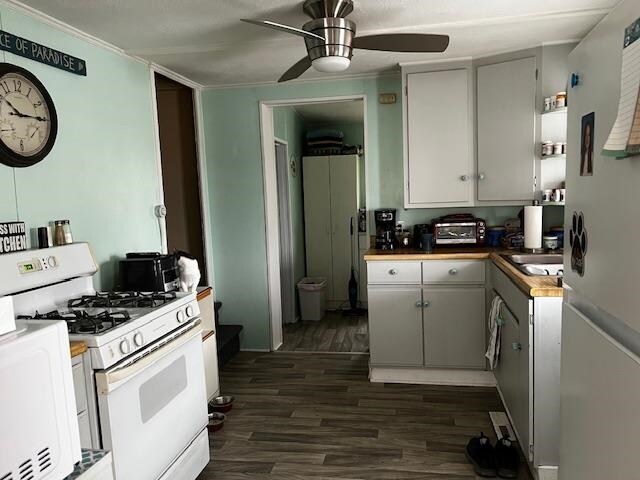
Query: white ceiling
(205,41)
(336,112)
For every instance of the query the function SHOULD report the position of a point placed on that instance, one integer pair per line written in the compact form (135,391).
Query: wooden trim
(77,348)
(206,334)
(204,293)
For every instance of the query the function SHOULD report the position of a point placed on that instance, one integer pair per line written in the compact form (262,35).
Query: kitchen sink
(536,264)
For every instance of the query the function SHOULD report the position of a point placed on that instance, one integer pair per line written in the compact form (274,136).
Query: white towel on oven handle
(495,326)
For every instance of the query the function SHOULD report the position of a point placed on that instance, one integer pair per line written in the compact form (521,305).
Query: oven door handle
(108,380)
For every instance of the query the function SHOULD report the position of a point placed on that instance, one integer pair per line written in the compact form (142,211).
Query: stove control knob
(189,311)
(125,347)
(180,316)
(53,263)
(138,340)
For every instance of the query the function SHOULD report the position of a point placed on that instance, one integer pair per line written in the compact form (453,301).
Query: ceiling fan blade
(284,28)
(403,42)
(296,70)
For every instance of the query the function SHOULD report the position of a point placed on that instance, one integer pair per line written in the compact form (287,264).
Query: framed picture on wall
(586,145)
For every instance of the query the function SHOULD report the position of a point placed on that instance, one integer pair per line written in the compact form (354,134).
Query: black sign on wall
(40,53)
(13,237)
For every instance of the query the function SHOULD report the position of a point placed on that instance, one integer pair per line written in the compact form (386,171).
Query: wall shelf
(560,155)
(555,111)
(553,204)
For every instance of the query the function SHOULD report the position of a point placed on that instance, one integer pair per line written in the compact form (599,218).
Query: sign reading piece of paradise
(13,237)
(624,139)
(40,53)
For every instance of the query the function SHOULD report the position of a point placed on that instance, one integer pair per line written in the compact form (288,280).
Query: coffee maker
(385,219)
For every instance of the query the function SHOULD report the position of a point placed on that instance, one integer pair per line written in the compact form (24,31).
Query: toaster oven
(459,229)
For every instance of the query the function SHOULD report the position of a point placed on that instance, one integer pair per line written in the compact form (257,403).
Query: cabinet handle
(419,304)
(425,304)
(393,271)
(481,176)
(516,346)
(464,178)
(453,271)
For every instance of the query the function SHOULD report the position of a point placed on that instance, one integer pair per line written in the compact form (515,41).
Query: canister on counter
(557,148)
(547,148)
(547,195)
(494,235)
(558,231)
(550,241)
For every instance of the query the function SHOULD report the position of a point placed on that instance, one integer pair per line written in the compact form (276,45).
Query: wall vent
(7,476)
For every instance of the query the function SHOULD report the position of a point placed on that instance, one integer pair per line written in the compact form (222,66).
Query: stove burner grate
(122,300)
(80,321)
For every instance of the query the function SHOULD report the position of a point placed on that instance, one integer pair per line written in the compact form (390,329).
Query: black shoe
(482,456)
(507,458)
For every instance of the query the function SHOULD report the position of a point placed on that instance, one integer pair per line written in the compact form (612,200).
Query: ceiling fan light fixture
(331,64)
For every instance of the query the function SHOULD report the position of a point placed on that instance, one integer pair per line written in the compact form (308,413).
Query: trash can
(312,297)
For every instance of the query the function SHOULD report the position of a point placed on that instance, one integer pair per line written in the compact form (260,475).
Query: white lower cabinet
(395,325)
(454,327)
(528,371)
(433,324)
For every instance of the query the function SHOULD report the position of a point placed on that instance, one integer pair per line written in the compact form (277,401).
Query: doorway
(320,172)
(180,175)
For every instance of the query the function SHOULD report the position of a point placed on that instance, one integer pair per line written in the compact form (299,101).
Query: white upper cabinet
(438,139)
(506,116)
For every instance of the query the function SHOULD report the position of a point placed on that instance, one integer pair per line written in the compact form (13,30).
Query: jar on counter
(547,148)
(495,235)
(62,233)
(558,231)
(550,242)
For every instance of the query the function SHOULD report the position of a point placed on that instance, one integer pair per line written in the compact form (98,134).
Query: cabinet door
(454,327)
(506,130)
(395,325)
(439,143)
(344,215)
(512,373)
(317,216)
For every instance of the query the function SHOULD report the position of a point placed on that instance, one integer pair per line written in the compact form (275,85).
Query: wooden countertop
(454,253)
(77,348)
(203,292)
(531,285)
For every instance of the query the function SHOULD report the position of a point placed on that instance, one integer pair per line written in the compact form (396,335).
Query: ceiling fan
(330,38)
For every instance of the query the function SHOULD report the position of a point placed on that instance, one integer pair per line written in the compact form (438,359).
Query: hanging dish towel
(494,324)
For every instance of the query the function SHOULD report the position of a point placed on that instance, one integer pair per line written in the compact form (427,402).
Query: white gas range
(146,355)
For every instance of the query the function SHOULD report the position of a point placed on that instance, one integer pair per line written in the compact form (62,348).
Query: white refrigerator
(600,369)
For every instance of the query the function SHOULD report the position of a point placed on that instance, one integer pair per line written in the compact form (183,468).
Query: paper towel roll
(533,226)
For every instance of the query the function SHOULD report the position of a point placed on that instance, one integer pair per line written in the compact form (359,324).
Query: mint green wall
(232,137)
(289,126)
(101,173)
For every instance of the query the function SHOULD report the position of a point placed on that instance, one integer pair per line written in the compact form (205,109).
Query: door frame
(272,234)
(285,194)
(203,183)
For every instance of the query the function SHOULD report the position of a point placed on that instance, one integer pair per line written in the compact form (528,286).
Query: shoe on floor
(481,454)
(507,458)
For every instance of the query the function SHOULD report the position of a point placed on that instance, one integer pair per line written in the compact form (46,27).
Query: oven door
(455,233)
(154,405)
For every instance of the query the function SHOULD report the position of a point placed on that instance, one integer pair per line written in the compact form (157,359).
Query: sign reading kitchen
(40,53)
(13,237)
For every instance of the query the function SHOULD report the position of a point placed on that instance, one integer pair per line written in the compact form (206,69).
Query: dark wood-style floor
(317,417)
(334,333)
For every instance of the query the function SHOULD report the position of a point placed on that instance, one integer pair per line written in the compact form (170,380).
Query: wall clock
(28,120)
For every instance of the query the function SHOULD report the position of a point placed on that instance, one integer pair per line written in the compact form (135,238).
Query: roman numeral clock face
(28,123)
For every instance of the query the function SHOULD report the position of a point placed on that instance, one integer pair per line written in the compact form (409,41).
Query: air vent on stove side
(7,476)
(44,459)
(25,470)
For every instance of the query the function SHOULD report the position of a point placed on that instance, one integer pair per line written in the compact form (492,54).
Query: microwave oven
(40,436)
(459,229)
